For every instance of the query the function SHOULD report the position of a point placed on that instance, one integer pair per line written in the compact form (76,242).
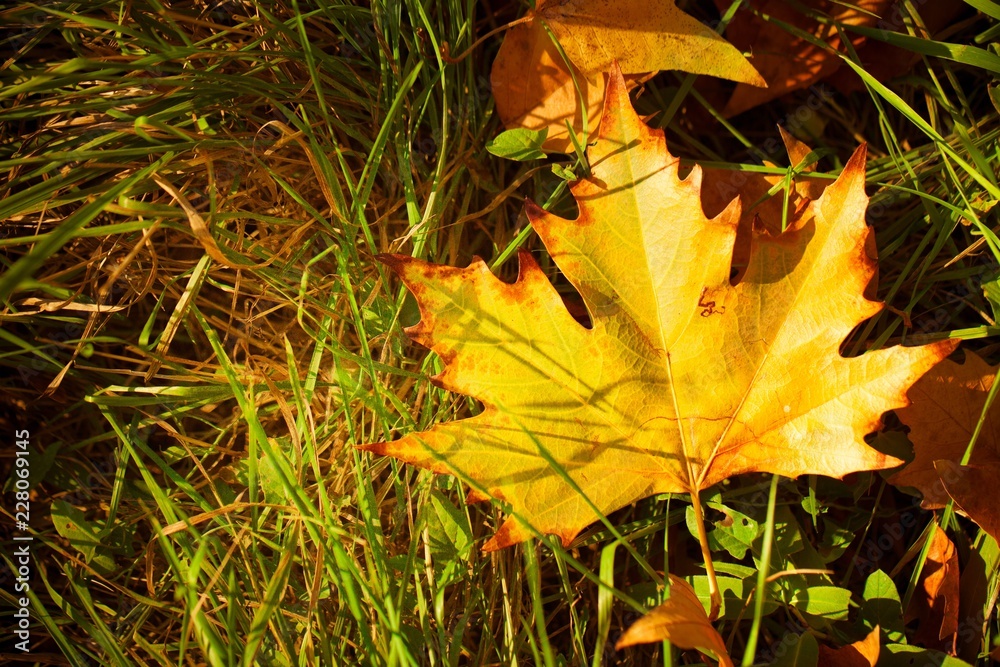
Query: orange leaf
(946,406)
(534,88)
(966,484)
(935,602)
(681,620)
(684,379)
(785,61)
(863,653)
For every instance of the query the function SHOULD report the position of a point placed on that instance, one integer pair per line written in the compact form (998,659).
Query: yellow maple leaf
(684,379)
(535,88)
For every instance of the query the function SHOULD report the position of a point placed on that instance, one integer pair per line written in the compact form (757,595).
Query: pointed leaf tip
(862,653)
(852,177)
(616,97)
(965,484)
(858,159)
(511,532)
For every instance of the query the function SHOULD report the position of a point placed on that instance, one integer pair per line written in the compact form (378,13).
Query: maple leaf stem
(453,60)
(713,583)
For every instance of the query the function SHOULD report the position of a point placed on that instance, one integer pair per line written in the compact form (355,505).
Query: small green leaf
(902,655)
(398,562)
(736,570)
(270,482)
(83,535)
(731,589)
(882,606)
(448,529)
(71,524)
(836,540)
(983,203)
(735,595)
(829,602)
(174,453)
(790,552)
(519,144)
(564,173)
(813,506)
(796,651)
(787,536)
(735,533)
(119,538)
(227,494)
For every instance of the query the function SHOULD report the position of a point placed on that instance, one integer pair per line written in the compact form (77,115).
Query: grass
(196,334)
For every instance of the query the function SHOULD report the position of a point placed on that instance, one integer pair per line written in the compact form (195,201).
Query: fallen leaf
(684,379)
(945,407)
(534,87)
(863,653)
(641,36)
(518,144)
(965,484)
(935,602)
(788,62)
(682,621)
